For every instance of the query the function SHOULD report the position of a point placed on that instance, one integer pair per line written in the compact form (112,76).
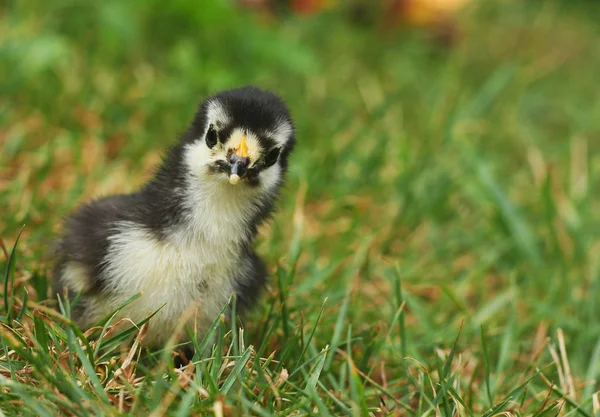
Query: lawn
(437,247)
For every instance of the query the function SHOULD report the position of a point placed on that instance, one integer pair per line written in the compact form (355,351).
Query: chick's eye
(211,136)
(271,157)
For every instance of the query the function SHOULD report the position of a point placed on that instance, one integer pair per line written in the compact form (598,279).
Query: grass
(436,251)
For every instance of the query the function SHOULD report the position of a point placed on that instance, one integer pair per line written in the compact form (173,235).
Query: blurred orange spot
(425,12)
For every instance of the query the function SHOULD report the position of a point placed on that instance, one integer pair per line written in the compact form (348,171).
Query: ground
(437,247)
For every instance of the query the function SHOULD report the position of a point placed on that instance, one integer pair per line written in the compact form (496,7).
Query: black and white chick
(184,240)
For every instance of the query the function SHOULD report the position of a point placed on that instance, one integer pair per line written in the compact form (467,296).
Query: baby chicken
(184,240)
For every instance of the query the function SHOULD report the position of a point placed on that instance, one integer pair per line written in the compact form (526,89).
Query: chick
(184,240)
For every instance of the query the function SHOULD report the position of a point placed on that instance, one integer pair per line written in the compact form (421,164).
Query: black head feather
(248,108)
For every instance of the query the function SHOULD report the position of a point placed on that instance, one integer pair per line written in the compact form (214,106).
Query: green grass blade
(486,364)
(237,373)
(313,376)
(90,371)
(9,279)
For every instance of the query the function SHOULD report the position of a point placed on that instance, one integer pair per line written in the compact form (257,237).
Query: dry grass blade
(558,363)
(4,250)
(565,364)
(124,368)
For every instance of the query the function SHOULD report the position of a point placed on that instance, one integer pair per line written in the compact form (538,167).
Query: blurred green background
(457,159)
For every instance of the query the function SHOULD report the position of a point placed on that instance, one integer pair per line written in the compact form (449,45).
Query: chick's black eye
(271,157)
(211,137)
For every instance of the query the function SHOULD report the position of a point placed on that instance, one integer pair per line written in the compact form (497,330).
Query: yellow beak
(242,150)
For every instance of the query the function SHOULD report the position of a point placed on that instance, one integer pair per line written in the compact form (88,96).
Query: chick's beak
(239,161)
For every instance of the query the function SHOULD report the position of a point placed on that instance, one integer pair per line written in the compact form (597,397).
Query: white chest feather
(193,268)
(166,272)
